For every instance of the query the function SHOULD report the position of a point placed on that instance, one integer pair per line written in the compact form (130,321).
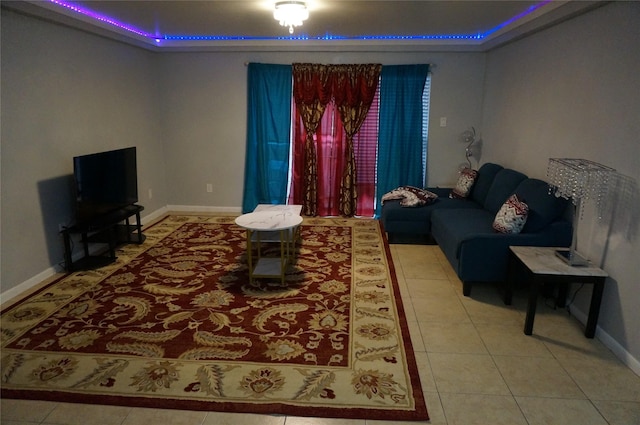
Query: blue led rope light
(327,37)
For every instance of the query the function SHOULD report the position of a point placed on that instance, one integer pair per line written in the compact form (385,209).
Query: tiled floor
(476,365)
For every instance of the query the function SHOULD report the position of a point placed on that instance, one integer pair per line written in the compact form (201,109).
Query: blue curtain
(400,143)
(268,133)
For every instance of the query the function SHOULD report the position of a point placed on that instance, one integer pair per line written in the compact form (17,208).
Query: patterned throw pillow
(512,216)
(465,183)
(410,196)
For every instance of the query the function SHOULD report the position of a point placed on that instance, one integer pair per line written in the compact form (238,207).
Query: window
(390,148)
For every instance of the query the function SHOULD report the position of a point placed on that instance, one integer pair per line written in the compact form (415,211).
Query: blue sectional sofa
(463,228)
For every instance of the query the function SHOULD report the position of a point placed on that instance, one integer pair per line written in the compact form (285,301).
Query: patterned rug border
(419,414)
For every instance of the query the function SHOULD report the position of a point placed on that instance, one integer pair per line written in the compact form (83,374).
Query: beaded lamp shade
(578,180)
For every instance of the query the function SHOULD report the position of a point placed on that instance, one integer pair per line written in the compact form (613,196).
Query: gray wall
(573,91)
(204,115)
(65,93)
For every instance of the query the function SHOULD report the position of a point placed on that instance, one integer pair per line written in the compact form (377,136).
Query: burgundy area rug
(175,323)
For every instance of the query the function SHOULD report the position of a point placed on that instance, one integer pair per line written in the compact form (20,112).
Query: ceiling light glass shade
(291,13)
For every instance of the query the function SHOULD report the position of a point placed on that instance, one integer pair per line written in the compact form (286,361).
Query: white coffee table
(275,236)
(270,225)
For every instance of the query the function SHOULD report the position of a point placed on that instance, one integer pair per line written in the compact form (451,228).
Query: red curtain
(311,92)
(324,165)
(354,87)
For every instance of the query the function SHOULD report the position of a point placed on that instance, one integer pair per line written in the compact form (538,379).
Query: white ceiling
(358,24)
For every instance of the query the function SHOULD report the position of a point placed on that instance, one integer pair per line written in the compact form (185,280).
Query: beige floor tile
(603,379)
(391,422)
(413,252)
(434,407)
(421,269)
(223,418)
(619,412)
(567,340)
(409,313)
(84,414)
(426,375)
(477,409)
(466,373)
(490,309)
(537,377)
(425,288)
(436,414)
(416,337)
(296,420)
(164,416)
(558,411)
(451,273)
(510,340)
(443,337)
(404,290)
(25,410)
(439,309)
(17,423)
(441,257)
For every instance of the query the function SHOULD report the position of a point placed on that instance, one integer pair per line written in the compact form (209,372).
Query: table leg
(511,277)
(594,308)
(68,259)
(250,257)
(284,254)
(534,289)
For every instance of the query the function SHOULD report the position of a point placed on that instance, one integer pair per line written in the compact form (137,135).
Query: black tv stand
(112,229)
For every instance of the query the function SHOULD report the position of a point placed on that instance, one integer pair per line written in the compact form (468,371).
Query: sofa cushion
(450,227)
(486,174)
(544,207)
(503,186)
(465,183)
(419,217)
(512,216)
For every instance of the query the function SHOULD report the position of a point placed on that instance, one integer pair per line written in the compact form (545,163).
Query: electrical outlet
(150,193)
(443,121)
(209,187)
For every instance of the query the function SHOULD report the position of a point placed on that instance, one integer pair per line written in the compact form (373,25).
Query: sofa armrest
(484,256)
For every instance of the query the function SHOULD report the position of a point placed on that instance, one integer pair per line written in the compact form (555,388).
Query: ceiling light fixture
(290,13)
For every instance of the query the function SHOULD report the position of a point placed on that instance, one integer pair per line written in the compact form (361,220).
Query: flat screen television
(105,182)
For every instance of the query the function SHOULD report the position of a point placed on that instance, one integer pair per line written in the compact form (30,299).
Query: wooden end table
(543,266)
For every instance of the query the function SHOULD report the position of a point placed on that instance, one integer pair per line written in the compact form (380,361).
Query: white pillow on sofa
(465,183)
(512,216)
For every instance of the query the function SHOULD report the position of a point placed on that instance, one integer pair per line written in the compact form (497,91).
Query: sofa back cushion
(486,174)
(504,184)
(544,207)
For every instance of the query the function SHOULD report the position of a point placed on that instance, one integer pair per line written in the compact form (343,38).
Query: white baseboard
(203,209)
(30,283)
(149,218)
(609,342)
(27,285)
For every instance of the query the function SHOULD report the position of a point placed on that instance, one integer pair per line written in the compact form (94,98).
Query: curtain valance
(344,84)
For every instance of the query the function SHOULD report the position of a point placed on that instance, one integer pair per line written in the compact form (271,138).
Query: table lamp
(578,180)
